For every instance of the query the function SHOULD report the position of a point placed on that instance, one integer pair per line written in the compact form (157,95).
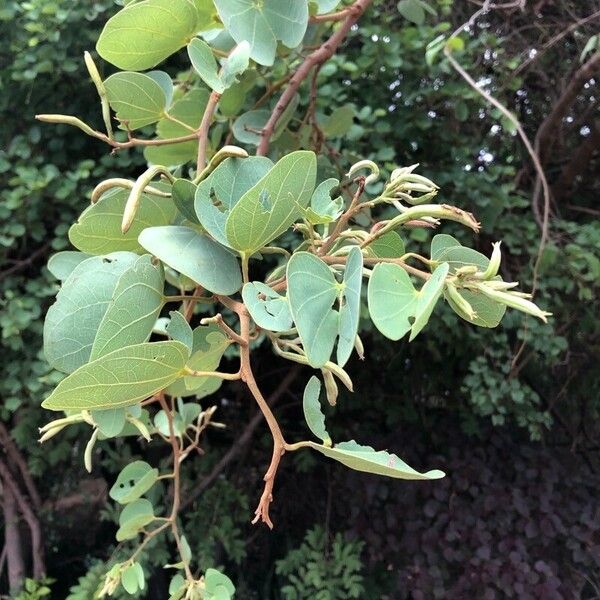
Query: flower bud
(331,387)
(365,164)
(514,300)
(460,301)
(494,266)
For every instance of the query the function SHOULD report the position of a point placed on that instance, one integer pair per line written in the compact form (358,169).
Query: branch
(202,132)
(318,57)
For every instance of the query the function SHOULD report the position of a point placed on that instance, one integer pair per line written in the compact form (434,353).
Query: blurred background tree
(512,416)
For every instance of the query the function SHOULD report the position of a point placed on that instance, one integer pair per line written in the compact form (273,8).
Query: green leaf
(205,64)
(412,11)
(222,190)
(392,300)
(440,243)
(488,313)
(137,99)
(144,33)
(235,64)
(315,419)
(247,127)
(133,309)
(323,209)
(427,299)
(139,571)
(165,82)
(121,378)
(209,345)
(350,308)
(134,518)
(110,422)
(266,210)
(213,579)
(184,192)
(389,245)
(129,579)
(186,552)
(98,229)
(197,256)
(189,110)
(179,330)
(263,24)
(269,310)
(73,320)
(312,290)
(62,264)
(459,256)
(133,482)
(339,122)
(365,458)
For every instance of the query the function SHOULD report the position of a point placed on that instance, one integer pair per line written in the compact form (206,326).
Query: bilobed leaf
(392,300)
(269,309)
(412,11)
(364,458)
(263,24)
(139,571)
(61,264)
(98,229)
(195,255)
(133,482)
(205,64)
(339,122)
(189,110)
(73,320)
(247,127)
(312,290)
(134,518)
(389,245)
(110,422)
(165,82)
(144,33)
(427,299)
(442,242)
(487,312)
(266,210)
(209,345)
(214,579)
(129,580)
(179,330)
(350,309)
(184,192)
(315,419)
(323,208)
(235,64)
(137,99)
(121,378)
(133,309)
(460,256)
(222,189)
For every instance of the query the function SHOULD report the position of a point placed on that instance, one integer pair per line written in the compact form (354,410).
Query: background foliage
(517,513)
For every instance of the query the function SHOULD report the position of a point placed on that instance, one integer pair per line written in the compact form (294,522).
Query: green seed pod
(459,301)
(514,300)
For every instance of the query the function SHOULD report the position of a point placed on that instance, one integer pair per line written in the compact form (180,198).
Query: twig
(202,132)
(319,56)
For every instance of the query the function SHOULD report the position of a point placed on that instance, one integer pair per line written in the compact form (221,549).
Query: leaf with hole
(323,208)
(133,309)
(143,34)
(121,378)
(268,209)
(98,229)
(195,255)
(269,309)
(133,482)
(72,321)
(366,459)
(137,99)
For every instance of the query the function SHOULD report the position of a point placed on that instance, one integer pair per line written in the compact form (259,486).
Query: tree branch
(202,133)
(318,57)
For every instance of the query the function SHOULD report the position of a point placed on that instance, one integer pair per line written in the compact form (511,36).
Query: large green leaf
(189,110)
(137,99)
(223,188)
(195,255)
(61,264)
(269,309)
(427,299)
(350,309)
(133,482)
(315,419)
(488,313)
(266,210)
(392,300)
(121,378)
(209,344)
(133,310)
(264,23)
(144,33)
(312,290)
(365,458)
(73,320)
(98,229)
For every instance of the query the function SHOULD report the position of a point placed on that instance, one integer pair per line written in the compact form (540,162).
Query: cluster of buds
(112,581)
(410,187)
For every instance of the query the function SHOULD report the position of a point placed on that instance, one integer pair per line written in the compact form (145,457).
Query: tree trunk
(12,539)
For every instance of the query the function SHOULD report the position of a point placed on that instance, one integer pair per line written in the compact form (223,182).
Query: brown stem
(12,540)
(202,132)
(319,56)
